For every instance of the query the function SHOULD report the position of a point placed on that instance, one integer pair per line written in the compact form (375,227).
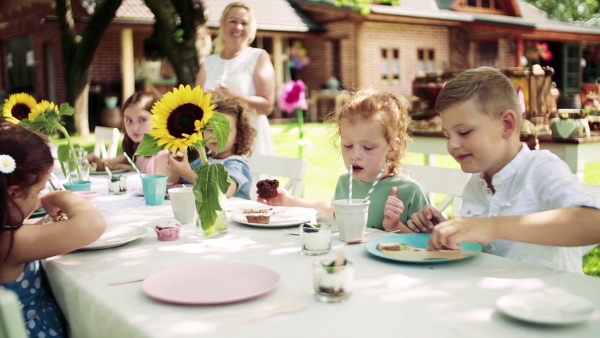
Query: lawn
(325,165)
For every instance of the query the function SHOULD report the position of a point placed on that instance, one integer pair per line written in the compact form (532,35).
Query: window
(425,60)
(488,54)
(390,63)
(482,6)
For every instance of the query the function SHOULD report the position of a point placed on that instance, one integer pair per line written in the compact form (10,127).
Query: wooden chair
(12,323)
(594,190)
(103,135)
(437,180)
(264,166)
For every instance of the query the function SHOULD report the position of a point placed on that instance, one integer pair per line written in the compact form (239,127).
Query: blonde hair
(218,42)
(385,108)
(491,91)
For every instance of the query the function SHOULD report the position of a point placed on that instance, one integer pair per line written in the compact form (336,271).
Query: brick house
(385,49)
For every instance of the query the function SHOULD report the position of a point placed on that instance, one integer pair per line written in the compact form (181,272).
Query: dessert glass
(332,284)
(315,238)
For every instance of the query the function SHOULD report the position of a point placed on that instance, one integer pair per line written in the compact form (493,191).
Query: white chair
(448,181)
(11,318)
(104,134)
(594,190)
(294,169)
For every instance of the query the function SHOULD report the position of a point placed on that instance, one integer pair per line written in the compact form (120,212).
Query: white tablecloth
(389,300)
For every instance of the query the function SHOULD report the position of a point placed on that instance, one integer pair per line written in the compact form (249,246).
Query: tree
(78,52)
(584,11)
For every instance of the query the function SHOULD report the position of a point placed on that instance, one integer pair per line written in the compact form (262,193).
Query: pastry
(267,188)
(259,216)
(168,230)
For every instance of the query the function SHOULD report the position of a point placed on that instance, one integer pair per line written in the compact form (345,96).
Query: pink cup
(90,196)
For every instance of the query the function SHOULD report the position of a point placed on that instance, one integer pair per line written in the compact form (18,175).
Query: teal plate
(418,241)
(38,213)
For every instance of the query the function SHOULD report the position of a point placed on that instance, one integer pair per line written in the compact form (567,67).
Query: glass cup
(117,185)
(155,188)
(332,284)
(351,218)
(315,239)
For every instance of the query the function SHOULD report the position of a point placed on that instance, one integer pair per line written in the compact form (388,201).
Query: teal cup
(155,188)
(78,186)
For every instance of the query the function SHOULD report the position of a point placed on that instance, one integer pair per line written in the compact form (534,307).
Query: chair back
(103,135)
(594,190)
(437,180)
(269,166)
(12,323)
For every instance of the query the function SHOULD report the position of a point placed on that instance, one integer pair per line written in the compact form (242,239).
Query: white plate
(116,235)
(281,217)
(211,283)
(546,307)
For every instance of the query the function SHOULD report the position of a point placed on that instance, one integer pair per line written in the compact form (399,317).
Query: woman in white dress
(240,70)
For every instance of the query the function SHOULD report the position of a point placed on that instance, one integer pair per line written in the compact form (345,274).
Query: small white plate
(546,307)
(116,235)
(280,217)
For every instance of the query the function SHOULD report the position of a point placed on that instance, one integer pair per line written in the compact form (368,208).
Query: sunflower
(41,108)
(18,106)
(179,118)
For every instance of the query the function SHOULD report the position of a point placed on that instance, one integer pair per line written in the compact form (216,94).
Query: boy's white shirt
(533,181)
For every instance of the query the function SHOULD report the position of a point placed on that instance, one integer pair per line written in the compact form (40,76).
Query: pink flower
(293,97)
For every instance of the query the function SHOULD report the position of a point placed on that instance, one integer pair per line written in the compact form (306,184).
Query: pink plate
(210,283)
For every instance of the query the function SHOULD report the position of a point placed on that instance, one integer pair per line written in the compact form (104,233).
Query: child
(239,143)
(481,119)
(372,127)
(25,166)
(137,119)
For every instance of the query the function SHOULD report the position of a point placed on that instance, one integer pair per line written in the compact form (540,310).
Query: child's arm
(560,227)
(161,167)
(285,198)
(85,225)
(425,219)
(182,168)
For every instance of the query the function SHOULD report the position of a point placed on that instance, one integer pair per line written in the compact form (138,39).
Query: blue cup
(155,188)
(78,186)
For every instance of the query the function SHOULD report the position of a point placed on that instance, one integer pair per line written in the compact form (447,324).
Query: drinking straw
(374,184)
(132,164)
(350,187)
(54,178)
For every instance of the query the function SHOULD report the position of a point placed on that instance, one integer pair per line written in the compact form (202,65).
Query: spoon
(108,172)
(284,308)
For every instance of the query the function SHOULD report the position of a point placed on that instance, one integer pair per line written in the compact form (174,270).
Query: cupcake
(259,216)
(267,188)
(168,230)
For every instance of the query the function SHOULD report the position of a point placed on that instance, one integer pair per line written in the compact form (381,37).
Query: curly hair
(239,109)
(375,106)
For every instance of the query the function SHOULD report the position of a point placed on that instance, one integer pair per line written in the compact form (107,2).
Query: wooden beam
(127,64)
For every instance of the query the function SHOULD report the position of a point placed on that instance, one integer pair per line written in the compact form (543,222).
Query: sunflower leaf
(212,181)
(148,146)
(219,124)
(66,109)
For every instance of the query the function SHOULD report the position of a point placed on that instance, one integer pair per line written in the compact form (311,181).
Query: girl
(25,166)
(137,118)
(239,143)
(372,127)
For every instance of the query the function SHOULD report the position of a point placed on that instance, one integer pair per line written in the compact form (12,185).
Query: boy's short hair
(491,90)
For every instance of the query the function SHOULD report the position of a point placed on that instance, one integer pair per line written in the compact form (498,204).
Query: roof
(271,15)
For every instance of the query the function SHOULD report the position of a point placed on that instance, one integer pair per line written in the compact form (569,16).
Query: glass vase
(219,229)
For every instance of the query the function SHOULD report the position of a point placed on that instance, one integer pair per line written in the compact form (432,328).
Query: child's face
(27,199)
(475,140)
(137,122)
(364,147)
(228,149)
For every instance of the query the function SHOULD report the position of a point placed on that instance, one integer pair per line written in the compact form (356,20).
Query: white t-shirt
(533,181)
(238,75)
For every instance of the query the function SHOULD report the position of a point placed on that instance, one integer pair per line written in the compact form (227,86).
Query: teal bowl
(78,186)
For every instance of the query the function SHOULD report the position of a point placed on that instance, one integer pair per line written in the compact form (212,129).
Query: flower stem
(300,115)
(202,153)
(71,150)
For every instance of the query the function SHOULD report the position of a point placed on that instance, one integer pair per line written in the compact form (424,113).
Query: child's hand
(178,166)
(451,233)
(425,219)
(392,210)
(283,198)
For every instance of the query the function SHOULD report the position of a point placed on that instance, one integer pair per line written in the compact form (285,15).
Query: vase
(219,229)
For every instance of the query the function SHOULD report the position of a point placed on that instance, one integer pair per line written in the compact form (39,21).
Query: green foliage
(584,11)
(219,124)
(364,6)
(213,180)
(148,146)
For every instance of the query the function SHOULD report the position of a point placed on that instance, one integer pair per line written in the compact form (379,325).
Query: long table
(390,299)
(576,152)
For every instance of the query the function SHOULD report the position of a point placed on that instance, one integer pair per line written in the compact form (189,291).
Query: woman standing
(240,70)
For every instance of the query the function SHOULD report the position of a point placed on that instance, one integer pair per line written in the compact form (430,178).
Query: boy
(481,118)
